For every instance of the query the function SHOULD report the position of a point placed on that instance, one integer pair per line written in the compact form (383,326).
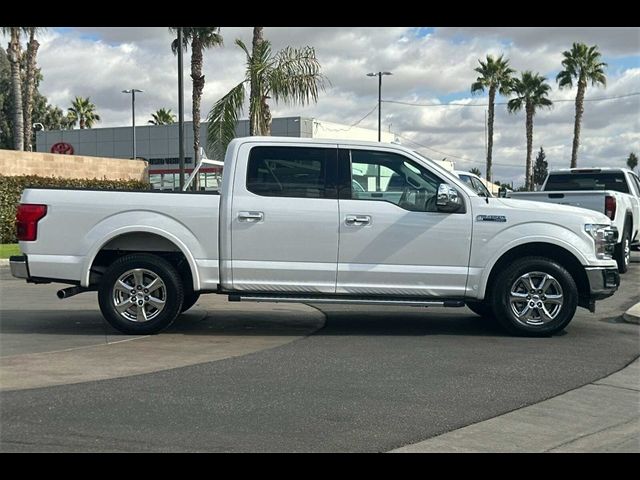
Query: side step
(413,302)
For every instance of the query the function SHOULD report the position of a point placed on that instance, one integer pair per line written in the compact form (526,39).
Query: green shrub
(11,189)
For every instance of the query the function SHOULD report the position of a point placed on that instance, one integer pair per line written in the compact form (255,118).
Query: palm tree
(290,75)
(476,171)
(32,51)
(531,92)
(162,117)
(14,55)
(83,112)
(199,38)
(632,161)
(583,64)
(495,75)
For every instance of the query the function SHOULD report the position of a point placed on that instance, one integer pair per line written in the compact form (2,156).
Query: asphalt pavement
(371,379)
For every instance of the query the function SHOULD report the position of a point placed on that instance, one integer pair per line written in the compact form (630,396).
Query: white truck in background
(612,191)
(319,221)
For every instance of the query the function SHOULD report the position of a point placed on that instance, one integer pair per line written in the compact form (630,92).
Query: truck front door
(284,219)
(393,240)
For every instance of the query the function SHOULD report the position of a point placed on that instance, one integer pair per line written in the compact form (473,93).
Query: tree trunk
(198,87)
(529,169)
(32,51)
(82,123)
(492,99)
(266,119)
(255,95)
(582,87)
(13,52)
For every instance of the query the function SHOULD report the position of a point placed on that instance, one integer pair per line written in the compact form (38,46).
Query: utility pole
(180,111)
(379,75)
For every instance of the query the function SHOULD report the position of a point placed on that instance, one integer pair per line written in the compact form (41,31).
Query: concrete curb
(4,262)
(632,315)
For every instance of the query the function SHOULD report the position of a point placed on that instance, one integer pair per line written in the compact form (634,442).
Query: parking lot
(281,377)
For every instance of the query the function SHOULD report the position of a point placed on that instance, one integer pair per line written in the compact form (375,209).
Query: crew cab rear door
(284,218)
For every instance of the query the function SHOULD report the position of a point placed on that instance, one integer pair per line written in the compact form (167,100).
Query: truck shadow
(259,323)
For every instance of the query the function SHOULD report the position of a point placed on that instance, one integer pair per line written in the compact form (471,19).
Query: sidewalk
(603,416)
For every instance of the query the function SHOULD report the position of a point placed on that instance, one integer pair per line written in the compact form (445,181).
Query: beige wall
(14,163)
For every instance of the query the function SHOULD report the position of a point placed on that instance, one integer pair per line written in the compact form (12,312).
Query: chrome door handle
(250,216)
(357,220)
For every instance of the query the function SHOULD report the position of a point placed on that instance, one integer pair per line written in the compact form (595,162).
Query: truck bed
(80,222)
(591,200)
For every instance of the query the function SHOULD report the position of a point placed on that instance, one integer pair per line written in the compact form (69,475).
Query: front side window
(480,187)
(393,178)
(290,171)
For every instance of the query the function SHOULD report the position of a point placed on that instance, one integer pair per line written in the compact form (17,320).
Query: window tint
(290,171)
(392,178)
(587,181)
(636,181)
(480,187)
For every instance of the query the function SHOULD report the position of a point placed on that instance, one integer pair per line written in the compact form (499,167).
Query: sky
(430,65)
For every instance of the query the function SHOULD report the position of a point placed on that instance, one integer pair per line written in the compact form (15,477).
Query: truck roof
(589,170)
(319,141)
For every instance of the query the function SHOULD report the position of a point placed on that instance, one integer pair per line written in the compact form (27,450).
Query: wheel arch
(139,239)
(541,249)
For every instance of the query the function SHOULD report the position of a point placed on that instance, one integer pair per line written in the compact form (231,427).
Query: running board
(234,297)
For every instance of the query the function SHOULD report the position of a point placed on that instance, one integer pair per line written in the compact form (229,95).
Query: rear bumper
(19,266)
(603,281)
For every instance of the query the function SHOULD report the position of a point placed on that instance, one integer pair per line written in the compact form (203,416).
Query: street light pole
(133,91)
(379,75)
(180,111)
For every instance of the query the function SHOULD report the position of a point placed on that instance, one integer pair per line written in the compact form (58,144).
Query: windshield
(440,169)
(476,184)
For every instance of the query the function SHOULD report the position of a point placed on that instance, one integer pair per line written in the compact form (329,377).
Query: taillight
(610,206)
(27,219)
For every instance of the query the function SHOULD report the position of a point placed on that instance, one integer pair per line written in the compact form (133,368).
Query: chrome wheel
(536,298)
(139,295)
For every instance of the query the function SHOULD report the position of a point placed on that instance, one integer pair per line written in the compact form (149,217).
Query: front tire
(534,296)
(140,294)
(623,251)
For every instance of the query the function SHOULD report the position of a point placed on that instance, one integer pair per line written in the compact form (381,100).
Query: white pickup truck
(301,220)
(612,191)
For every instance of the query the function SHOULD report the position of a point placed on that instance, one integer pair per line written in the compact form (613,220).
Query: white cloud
(100,62)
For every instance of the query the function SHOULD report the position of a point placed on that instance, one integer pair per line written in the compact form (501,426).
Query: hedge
(11,189)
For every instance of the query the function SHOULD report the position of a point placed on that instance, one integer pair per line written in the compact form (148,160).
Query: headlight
(604,237)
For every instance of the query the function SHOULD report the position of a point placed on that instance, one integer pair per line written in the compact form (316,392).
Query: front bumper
(603,281)
(19,266)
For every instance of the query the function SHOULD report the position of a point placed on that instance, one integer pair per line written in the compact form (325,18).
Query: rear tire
(140,294)
(623,251)
(534,296)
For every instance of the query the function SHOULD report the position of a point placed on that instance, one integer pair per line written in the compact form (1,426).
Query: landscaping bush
(11,189)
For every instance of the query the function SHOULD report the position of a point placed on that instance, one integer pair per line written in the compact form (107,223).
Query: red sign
(62,148)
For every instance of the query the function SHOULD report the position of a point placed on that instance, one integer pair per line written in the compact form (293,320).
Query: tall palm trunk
(198,87)
(582,87)
(32,51)
(255,95)
(13,52)
(529,166)
(492,99)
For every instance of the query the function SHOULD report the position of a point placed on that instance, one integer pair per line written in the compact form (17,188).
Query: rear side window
(301,172)
(587,181)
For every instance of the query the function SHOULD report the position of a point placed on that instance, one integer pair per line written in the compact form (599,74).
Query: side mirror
(448,199)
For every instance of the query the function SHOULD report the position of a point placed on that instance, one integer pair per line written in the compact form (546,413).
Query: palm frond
(223,117)
(295,76)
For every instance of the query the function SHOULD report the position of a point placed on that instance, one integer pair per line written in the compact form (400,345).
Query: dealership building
(158,144)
